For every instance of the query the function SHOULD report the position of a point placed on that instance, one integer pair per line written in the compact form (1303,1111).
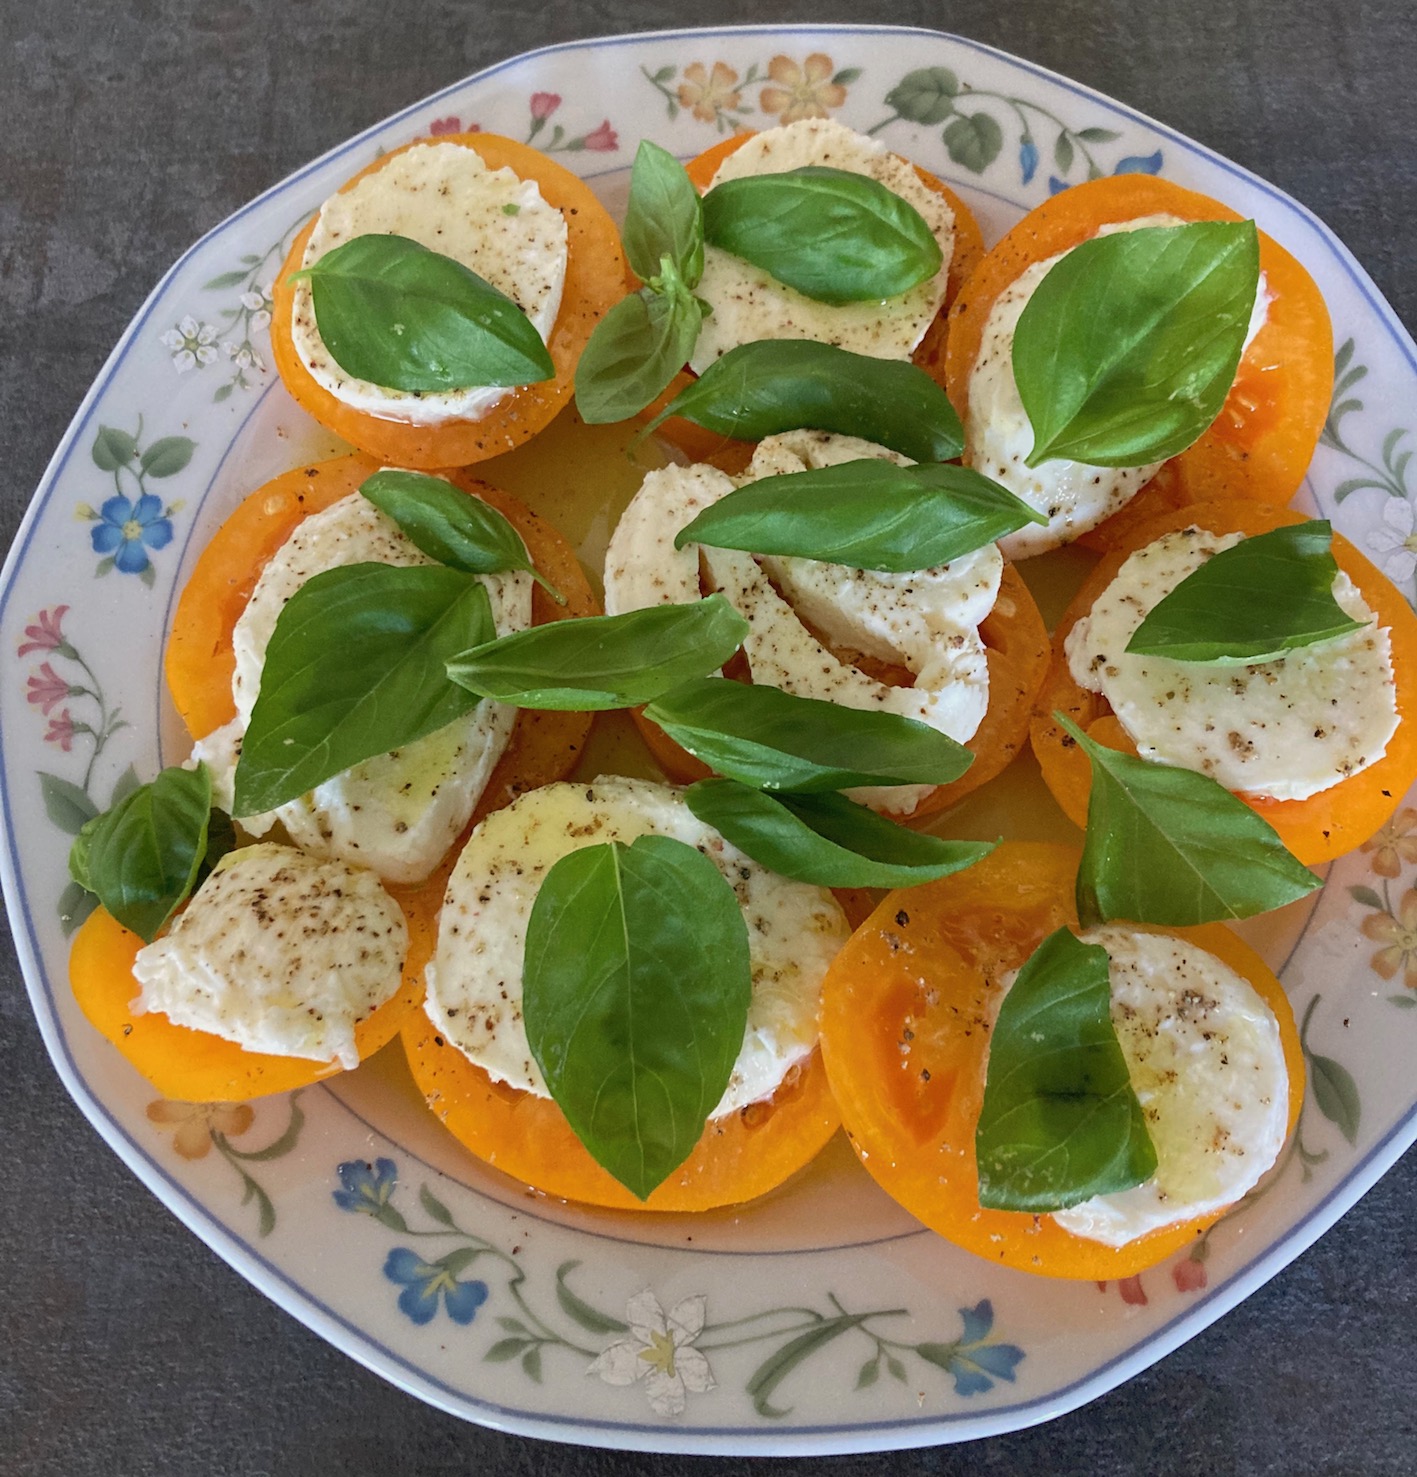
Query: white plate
(830,1320)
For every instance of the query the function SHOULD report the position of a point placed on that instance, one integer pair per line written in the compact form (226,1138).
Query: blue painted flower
(423,1283)
(1139,164)
(1028,159)
(128,529)
(1056,185)
(975,1364)
(367,1187)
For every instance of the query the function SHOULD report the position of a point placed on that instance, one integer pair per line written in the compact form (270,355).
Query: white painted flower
(258,304)
(659,1351)
(1394,540)
(245,357)
(193,344)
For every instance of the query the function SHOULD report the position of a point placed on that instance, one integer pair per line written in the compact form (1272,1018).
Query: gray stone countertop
(131,127)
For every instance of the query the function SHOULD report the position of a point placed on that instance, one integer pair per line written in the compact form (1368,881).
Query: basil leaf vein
(394,313)
(636,987)
(1060,1121)
(1127,350)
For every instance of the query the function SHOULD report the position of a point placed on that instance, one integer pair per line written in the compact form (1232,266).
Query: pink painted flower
(1131,1289)
(1399,935)
(61,731)
(1189,1275)
(197,1122)
(543,104)
(445,125)
(45,634)
(46,689)
(1394,844)
(603,140)
(801,91)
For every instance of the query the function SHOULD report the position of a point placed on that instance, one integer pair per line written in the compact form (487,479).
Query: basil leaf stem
(394,313)
(636,986)
(1060,1121)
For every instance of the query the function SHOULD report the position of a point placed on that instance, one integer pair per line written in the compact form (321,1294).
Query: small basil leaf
(453,527)
(1127,350)
(140,858)
(603,661)
(636,987)
(319,711)
(773,740)
(1251,602)
(773,385)
(866,514)
(1060,1122)
(635,350)
(826,839)
(1170,846)
(399,315)
(221,839)
(832,235)
(664,218)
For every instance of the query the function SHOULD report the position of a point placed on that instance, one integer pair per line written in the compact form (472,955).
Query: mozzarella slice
(475,979)
(748,304)
(444,197)
(1074,496)
(1206,1062)
(396,813)
(280,953)
(1287,729)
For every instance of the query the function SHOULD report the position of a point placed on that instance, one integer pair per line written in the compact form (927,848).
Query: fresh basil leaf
(1060,1122)
(354,668)
(867,514)
(453,527)
(399,315)
(1170,846)
(664,217)
(1251,602)
(832,235)
(604,661)
(636,987)
(826,839)
(140,858)
(221,839)
(635,350)
(1127,350)
(773,740)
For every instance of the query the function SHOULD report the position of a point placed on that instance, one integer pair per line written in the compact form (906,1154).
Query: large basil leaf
(826,839)
(604,661)
(1060,1122)
(355,667)
(866,514)
(636,987)
(453,527)
(773,740)
(397,314)
(664,217)
(635,350)
(773,385)
(141,857)
(835,236)
(1127,350)
(1170,846)
(1251,602)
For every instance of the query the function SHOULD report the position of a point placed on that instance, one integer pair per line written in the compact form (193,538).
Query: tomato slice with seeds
(907,1010)
(1327,825)
(595,281)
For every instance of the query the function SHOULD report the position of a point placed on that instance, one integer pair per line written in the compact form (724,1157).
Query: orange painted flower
(1394,844)
(1399,935)
(197,1122)
(709,93)
(804,91)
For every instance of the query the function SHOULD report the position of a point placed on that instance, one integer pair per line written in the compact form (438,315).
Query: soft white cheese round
(280,953)
(475,978)
(1074,496)
(1287,729)
(444,197)
(1207,1065)
(396,813)
(926,621)
(748,304)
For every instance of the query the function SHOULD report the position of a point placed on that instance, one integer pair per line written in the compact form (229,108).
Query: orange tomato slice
(907,1009)
(595,280)
(1326,825)
(527,1137)
(1262,442)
